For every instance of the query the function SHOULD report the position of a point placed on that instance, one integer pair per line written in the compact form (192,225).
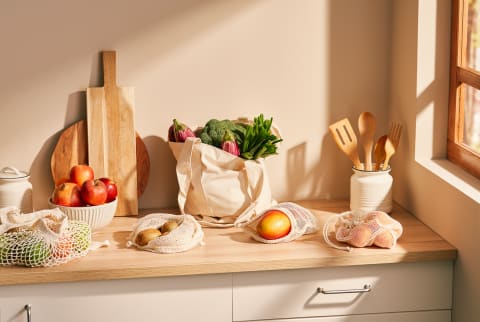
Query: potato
(168,227)
(145,236)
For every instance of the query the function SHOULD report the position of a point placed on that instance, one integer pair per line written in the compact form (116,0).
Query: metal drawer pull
(366,288)
(28,308)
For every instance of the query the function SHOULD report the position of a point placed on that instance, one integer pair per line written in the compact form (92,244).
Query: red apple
(94,192)
(112,190)
(274,224)
(80,173)
(67,194)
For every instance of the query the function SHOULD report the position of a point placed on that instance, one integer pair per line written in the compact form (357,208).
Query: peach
(274,224)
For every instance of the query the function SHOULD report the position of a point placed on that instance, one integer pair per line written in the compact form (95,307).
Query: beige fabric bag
(218,188)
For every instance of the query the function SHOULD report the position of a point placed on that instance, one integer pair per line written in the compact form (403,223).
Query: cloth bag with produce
(220,169)
(41,238)
(301,222)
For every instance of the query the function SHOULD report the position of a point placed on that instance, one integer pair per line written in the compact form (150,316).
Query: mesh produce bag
(302,222)
(186,234)
(42,238)
(362,229)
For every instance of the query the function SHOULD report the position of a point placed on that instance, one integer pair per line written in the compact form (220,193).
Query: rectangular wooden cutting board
(111,135)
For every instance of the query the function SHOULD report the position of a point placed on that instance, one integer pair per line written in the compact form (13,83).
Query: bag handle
(184,172)
(254,190)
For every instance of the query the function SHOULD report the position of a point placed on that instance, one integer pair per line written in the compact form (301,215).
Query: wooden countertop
(231,250)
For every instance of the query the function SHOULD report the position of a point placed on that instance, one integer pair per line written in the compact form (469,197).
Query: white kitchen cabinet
(427,316)
(403,287)
(205,298)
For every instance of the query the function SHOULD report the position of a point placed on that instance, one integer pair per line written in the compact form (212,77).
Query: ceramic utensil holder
(15,189)
(371,190)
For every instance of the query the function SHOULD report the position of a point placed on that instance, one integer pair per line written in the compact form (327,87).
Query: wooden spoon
(379,151)
(389,151)
(366,127)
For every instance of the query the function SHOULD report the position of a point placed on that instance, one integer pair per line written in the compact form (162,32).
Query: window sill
(454,176)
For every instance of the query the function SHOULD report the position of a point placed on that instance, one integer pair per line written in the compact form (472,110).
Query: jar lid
(12,173)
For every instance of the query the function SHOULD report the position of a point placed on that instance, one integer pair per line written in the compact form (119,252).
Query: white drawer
(171,299)
(293,293)
(426,316)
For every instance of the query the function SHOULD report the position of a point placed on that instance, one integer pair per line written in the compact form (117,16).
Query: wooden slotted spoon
(366,128)
(346,140)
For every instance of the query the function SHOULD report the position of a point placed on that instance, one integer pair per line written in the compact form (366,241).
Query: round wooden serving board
(72,149)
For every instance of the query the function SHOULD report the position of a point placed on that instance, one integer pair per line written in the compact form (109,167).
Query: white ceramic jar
(15,189)
(371,190)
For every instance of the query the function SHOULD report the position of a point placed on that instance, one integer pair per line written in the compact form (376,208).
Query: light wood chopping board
(111,135)
(71,149)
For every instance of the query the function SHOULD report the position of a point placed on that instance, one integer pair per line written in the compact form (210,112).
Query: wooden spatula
(346,140)
(111,135)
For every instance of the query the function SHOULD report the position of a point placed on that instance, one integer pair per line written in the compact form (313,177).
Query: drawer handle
(28,309)
(366,288)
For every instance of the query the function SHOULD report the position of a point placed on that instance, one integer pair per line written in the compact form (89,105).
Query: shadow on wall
(359,44)
(163,177)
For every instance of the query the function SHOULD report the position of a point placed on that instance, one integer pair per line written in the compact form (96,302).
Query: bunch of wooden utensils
(384,148)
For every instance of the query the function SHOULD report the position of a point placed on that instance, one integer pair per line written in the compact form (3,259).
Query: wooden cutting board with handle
(71,149)
(111,135)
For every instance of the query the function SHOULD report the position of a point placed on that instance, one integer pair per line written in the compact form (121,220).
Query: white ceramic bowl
(96,216)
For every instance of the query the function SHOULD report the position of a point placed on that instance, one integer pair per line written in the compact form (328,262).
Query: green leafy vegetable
(257,140)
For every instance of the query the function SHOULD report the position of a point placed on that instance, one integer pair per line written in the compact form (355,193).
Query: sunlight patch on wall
(426,44)
(425,133)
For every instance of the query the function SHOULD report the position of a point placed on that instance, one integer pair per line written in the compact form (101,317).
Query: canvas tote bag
(218,188)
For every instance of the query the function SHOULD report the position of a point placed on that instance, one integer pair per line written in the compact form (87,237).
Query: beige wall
(305,63)
(441,195)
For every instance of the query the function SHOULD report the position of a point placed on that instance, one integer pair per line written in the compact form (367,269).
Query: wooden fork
(391,144)
(395,133)
(346,140)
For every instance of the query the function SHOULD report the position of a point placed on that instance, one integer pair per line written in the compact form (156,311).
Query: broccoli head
(214,131)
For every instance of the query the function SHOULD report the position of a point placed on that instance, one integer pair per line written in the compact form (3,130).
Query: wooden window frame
(460,76)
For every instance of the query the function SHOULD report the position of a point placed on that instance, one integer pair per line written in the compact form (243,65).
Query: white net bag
(166,233)
(302,221)
(362,229)
(42,238)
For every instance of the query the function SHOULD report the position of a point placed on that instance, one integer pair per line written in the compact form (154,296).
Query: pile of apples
(82,189)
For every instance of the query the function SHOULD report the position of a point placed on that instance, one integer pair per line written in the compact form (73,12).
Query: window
(464,106)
